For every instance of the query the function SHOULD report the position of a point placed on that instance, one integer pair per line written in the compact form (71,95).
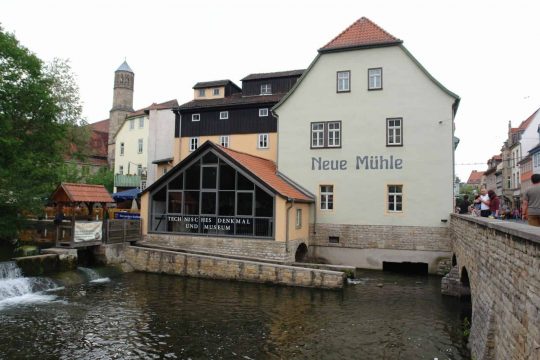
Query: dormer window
(266,89)
(202,92)
(216,92)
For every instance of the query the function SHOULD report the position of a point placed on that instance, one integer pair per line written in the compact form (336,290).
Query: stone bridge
(498,264)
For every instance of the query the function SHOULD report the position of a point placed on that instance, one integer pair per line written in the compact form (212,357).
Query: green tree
(103,177)
(35,123)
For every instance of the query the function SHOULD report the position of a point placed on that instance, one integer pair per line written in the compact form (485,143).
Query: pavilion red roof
(69,192)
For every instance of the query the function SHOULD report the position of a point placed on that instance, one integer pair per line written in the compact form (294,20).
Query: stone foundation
(237,247)
(176,263)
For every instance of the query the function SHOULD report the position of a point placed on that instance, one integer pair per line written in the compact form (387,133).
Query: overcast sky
(484,51)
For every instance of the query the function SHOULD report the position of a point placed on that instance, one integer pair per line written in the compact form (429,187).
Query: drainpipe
(289,201)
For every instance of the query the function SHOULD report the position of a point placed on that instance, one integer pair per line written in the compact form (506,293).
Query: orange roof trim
(362,33)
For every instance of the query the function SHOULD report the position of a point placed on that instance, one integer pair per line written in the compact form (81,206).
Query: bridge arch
(301,253)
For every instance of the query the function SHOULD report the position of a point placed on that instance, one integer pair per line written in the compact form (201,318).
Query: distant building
(490,175)
(475,179)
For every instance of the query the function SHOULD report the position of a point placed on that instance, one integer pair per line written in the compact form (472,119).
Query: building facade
(233,117)
(370,132)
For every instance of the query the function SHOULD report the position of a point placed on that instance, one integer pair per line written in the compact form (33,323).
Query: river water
(95,314)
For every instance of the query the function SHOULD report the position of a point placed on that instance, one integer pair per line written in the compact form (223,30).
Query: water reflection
(138,316)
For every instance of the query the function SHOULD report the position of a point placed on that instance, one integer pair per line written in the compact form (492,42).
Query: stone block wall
(502,260)
(176,263)
(240,247)
(382,237)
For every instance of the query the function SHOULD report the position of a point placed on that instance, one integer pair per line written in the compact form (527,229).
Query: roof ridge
(244,153)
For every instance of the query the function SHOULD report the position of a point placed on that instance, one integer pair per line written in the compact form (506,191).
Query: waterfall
(16,289)
(93,276)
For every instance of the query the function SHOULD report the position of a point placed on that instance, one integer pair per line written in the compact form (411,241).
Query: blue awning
(126,195)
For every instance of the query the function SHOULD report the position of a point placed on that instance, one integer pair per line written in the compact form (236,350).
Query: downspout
(289,201)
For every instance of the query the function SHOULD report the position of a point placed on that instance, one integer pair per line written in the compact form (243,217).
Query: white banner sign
(88,231)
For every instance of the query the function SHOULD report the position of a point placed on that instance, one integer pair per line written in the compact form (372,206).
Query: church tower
(122,103)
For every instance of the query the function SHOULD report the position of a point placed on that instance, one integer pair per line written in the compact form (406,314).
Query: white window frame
(193,143)
(266,89)
(393,197)
(139,170)
(215,92)
(121,170)
(140,146)
(122,149)
(223,115)
(224,140)
(536,159)
(202,92)
(195,117)
(375,79)
(263,141)
(131,124)
(326,199)
(394,133)
(343,81)
(317,135)
(141,123)
(263,112)
(334,133)
(298,218)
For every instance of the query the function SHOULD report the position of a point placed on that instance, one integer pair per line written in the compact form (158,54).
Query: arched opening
(454,260)
(465,278)
(301,253)
(465,304)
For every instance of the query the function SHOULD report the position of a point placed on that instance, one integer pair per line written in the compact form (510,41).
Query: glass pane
(175,202)
(209,180)
(191,202)
(264,203)
(263,227)
(208,203)
(226,203)
(158,222)
(208,225)
(244,204)
(210,158)
(161,195)
(244,227)
(244,183)
(177,183)
(193,177)
(398,207)
(226,177)
(225,225)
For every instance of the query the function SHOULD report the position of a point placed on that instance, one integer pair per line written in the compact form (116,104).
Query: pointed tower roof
(363,33)
(125,67)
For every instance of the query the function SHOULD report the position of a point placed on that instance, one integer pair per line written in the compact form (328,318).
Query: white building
(370,132)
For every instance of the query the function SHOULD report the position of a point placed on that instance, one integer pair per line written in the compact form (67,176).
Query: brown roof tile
(525,123)
(271,75)
(235,99)
(81,193)
(154,106)
(475,177)
(362,33)
(102,126)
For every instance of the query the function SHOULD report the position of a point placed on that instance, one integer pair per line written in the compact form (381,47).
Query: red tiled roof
(99,143)
(154,106)
(525,123)
(102,126)
(81,193)
(475,177)
(497,157)
(266,171)
(362,33)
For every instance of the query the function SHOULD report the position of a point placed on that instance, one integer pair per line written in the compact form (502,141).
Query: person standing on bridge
(531,202)
(484,203)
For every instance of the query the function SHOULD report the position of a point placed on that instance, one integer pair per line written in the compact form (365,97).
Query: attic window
(202,92)
(216,92)
(266,89)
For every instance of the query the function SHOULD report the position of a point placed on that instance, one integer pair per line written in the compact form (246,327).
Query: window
(395,198)
(334,134)
(216,92)
(139,169)
(224,141)
(121,149)
(394,132)
(193,143)
(327,197)
(326,134)
(131,124)
(266,89)
(536,159)
(121,170)
(141,123)
(164,171)
(263,141)
(223,115)
(140,146)
(195,117)
(202,92)
(298,218)
(375,79)
(263,112)
(343,81)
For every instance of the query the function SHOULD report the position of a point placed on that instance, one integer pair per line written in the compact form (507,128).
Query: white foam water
(93,276)
(15,289)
